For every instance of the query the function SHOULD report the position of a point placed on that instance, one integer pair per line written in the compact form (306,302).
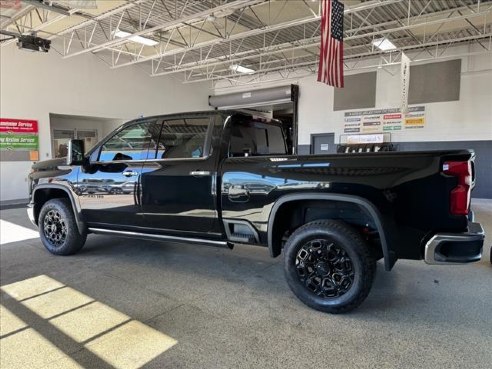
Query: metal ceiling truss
(300,70)
(187,12)
(437,50)
(203,60)
(202,39)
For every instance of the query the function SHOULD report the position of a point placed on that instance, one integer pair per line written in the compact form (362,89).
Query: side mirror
(75,155)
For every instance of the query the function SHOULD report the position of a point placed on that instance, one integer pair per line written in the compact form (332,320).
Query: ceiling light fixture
(384,44)
(241,69)
(139,39)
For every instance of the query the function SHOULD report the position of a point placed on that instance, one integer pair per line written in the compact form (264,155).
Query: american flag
(330,70)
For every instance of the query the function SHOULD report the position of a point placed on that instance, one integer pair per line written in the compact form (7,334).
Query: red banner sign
(18,125)
(392,116)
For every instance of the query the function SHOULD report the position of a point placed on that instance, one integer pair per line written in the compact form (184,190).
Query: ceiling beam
(237,4)
(355,56)
(98,18)
(20,14)
(303,21)
(270,28)
(311,42)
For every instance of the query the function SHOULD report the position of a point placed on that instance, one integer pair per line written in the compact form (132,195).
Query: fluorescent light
(139,39)
(241,69)
(384,44)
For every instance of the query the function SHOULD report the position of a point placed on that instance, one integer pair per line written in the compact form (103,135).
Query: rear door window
(183,138)
(256,139)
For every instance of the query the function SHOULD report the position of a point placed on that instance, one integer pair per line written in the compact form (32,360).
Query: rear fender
(383,227)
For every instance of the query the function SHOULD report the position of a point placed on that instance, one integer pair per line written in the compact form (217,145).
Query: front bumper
(30,214)
(456,248)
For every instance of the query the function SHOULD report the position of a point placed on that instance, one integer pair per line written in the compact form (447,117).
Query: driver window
(131,143)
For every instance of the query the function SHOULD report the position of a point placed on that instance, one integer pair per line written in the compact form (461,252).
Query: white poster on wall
(383,120)
(405,82)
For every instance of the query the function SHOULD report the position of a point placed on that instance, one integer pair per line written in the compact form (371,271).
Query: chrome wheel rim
(55,228)
(325,268)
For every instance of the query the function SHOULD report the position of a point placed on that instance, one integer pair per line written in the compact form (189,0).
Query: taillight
(460,195)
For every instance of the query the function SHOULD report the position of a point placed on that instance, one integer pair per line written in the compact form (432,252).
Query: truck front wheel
(329,266)
(58,228)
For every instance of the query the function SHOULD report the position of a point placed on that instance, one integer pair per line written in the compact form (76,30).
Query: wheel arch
(45,192)
(274,240)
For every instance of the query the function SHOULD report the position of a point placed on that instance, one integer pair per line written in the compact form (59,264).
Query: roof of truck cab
(202,113)
(188,114)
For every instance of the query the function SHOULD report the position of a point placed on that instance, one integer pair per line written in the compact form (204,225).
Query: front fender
(49,191)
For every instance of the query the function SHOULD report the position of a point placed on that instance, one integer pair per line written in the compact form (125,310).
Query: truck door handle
(238,191)
(200,173)
(238,194)
(130,173)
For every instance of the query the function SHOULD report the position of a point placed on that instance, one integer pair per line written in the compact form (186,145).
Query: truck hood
(49,164)
(50,169)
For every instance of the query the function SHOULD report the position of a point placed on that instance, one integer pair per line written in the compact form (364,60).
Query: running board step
(160,237)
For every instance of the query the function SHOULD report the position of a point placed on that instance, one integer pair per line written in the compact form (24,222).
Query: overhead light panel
(384,44)
(139,39)
(241,69)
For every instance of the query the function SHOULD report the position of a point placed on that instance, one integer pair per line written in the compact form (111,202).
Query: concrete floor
(127,304)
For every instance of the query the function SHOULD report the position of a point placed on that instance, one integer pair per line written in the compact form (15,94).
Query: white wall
(102,126)
(33,85)
(470,118)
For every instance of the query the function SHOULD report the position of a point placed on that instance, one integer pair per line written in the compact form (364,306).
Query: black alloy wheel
(55,228)
(329,266)
(58,228)
(325,268)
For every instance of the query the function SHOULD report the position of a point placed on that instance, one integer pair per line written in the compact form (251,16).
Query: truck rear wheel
(329,266)
(58,228)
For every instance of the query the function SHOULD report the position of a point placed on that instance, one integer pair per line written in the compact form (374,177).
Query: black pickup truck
(225,178)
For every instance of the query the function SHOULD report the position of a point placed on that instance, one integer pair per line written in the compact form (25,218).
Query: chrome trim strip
(143,161)
(476,234)
(157,237)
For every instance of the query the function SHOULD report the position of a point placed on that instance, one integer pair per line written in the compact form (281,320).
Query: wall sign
(365,139)
(19,140)
(405,81)
(383,120)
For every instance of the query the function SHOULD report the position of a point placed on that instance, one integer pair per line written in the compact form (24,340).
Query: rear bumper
(456,248)
(30,214)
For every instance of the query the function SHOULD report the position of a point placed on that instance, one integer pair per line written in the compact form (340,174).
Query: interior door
(323,143)
(109,191)
(61,137)
(178,186)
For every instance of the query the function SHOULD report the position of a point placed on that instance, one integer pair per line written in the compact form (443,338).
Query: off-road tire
(58,228)
(348,243)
